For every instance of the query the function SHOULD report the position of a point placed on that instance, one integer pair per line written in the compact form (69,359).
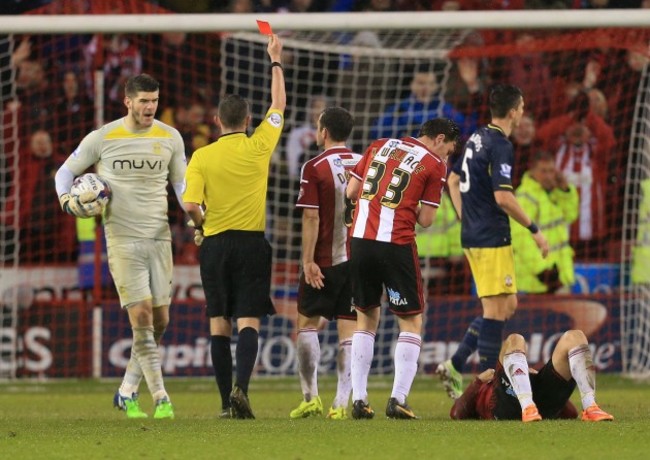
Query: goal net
(60,316)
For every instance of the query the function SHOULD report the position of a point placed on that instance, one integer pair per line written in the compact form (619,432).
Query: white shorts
(142,270)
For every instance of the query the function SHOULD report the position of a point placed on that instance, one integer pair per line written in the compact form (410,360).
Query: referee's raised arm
(278,92)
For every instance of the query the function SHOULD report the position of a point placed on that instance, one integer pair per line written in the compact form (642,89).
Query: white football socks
(146,352)
(344,384)
(516,368)
(363,349)
(584,373)
(308,349)
(407,352)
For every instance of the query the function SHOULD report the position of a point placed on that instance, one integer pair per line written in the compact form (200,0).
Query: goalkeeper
(137,155)
(512,391)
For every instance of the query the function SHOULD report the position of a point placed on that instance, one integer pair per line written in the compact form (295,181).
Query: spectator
(301,143)
(178,58)
(552,203)
(582,143)
(46,235)
(74,113)
(529,70)
(466,90)
(524,143)
(122,59)
(598,103)
(34,99)
(441,254)
(405,118)
(189,119)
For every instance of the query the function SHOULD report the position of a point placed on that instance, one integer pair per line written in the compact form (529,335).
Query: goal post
(143,23)
(365,63)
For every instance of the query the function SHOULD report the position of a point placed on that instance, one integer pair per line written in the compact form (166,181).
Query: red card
(265,27)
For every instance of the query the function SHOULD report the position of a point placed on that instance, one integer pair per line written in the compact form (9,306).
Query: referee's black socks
(222,363)
(246,355)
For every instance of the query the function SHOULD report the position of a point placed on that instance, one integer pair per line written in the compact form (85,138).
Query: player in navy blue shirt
(480,186)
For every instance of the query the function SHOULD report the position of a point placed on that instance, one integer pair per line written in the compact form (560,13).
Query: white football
(91,182)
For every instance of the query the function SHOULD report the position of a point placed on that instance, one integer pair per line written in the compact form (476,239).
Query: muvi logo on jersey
(395,297)
(127,165)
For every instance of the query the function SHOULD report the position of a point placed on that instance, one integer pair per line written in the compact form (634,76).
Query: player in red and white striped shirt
(397,183)
(325,285)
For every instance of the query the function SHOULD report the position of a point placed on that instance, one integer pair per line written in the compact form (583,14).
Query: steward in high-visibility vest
(641,250)
(552,204)
(86,232)
(442,238)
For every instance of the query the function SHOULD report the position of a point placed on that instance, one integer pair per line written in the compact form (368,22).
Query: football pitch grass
(75,420)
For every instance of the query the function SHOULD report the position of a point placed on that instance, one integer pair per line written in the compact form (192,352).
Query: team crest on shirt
(505,170)
(275,120)
(157,148)
(508,281)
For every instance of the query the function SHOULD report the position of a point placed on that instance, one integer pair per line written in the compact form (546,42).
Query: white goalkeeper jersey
(137,165)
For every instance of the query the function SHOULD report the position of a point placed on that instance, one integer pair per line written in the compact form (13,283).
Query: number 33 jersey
(397,175)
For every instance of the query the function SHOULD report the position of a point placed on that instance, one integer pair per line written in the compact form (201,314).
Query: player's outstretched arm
(508,202)
(278,91)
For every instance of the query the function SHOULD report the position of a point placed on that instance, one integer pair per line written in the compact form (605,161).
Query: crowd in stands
(581,120)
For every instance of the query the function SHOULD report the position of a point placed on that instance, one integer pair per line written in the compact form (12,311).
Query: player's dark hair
(140,83)
(504,98)
(233,110)
(539,156)
(338,121)
(436,126)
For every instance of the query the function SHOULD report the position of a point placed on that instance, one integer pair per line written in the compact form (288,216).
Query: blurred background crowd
(576,133)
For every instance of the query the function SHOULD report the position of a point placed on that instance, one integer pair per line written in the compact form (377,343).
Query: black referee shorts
(333,300)
(236,274)
(375,264)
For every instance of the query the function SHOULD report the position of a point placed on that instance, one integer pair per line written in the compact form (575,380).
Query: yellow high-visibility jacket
(553,212)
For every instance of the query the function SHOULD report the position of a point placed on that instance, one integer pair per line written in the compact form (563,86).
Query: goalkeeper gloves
(198,232)
(83,205)
(198,236)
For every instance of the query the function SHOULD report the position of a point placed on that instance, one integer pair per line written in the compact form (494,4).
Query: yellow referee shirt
(230,177)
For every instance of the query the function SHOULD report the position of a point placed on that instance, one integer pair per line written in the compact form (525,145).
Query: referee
(228,179)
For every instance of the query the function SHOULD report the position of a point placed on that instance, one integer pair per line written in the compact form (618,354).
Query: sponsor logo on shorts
(508,281)
(395,297)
